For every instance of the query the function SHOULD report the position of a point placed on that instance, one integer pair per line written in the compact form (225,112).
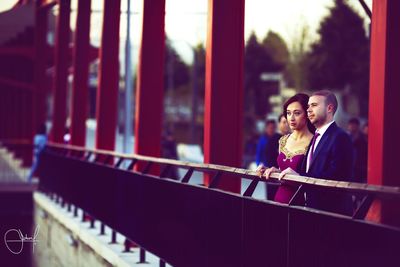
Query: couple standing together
(317,148)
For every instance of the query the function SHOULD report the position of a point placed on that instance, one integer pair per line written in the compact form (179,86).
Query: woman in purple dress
(292,147)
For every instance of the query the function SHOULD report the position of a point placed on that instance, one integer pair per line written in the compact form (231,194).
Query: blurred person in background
(267,153)
(360,149)
(169,151)
(267,146)
(39,143)
(365,130)
(283,126)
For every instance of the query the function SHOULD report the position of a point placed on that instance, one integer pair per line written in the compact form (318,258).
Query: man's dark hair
(270,121)
(330,98)
(283,115)
(41,129)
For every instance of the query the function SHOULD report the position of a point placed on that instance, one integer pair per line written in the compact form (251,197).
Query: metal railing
(197,225)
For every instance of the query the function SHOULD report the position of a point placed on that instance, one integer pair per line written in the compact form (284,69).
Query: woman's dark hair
(303,100)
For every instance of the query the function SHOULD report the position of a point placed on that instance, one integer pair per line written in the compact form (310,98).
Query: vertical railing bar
(188,175)
(165,170)
(364,207)
(142,256)
(250,189)
(215,180)
(295,198)
(89,154)
(119,162)
(147,167)
(130,167)
(113,237)
(102,228)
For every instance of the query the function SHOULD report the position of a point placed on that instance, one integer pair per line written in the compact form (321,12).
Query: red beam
(384,143)
(61,71)
(22,51)
(81,75)
(150,81)
(17,84)
(107,93)
(41,55)
(223,121)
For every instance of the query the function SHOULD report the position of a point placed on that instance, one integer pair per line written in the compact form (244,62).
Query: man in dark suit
(330,155)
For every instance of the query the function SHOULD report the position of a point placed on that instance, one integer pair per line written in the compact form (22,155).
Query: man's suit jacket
(332,160)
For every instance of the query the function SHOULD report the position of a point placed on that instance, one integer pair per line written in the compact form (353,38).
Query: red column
(150,81)
(223,121)
(61,71)
(107,93)
(81,75)
(384,143)
(2,111)
(39,93)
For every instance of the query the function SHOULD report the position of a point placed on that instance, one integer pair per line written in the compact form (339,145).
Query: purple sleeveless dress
(287,159)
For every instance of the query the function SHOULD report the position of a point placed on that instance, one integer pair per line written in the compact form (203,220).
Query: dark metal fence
(193,225)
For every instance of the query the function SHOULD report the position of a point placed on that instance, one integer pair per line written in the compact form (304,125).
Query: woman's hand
(267,172)
(287,171)
(260,170)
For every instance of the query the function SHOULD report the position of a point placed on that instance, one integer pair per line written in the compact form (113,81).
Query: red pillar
(150,81)
(81,75)
(223,121)
(107,93)
(384,143)
(2,111)
(38,96)
(61,71)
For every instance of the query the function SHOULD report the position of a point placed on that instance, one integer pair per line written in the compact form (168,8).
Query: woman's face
(296,116)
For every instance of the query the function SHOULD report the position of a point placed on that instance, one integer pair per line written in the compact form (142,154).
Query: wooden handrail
(377,190)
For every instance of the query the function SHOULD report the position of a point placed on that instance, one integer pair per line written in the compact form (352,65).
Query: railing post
(142,256)
(102,229)
(113,237)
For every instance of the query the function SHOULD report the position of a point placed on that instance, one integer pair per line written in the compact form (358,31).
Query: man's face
(270,129)
(317,110)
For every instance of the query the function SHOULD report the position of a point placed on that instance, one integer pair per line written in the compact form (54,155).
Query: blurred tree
(340,59)
(200,69)
(296,71)
(176,72)
(259,59)
(276,47)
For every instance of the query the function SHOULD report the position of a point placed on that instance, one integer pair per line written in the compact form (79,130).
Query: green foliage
(199,70)
(296,71)
(276,47)
(269,56)
(176,72)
